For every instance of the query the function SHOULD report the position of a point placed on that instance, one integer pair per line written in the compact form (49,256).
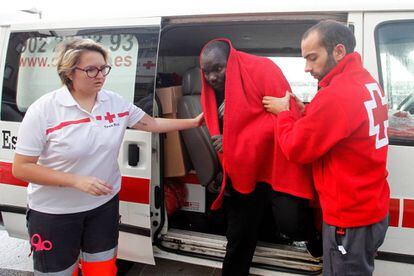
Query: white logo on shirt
(377,110)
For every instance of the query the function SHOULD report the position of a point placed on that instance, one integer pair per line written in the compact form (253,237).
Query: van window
(303,85)
(30,71)
(395,45)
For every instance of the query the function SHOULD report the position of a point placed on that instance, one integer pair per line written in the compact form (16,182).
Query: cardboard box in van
(174,158)
(168,97)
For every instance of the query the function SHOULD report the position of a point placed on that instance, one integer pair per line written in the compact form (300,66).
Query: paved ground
(14,261)
(171,268)
(14,255)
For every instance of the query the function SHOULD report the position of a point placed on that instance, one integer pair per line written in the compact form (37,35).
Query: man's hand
(300,104)
(276,105)
(217,142)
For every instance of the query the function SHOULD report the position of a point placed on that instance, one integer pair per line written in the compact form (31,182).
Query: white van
(154,52)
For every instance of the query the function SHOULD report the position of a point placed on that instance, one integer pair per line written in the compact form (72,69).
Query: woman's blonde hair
(68,54)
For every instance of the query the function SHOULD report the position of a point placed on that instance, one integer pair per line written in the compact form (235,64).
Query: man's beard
(330,64)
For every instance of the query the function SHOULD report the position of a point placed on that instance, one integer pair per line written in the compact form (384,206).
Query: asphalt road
(14,261)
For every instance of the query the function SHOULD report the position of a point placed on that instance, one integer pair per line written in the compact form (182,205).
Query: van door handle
(133,155)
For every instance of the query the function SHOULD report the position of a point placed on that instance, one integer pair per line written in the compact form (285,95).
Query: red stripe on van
(135,190)
(67,123)
(132,189)
(394,212)
(408,215)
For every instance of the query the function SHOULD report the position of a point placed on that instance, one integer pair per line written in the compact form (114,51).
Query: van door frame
(397,245)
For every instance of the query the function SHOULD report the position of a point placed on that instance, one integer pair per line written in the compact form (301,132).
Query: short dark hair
(216,45)
(332,33)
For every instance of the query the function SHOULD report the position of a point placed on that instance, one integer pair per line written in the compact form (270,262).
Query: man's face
(318,61)
(214,69)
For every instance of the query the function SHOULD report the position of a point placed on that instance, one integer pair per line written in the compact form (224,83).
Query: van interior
(191,228)
(202,232)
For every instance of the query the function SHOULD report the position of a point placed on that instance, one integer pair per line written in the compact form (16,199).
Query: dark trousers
(66,235)
(244,213)
(351,251)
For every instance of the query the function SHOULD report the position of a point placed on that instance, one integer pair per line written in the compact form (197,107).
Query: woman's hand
(159,125)
(27,169)
(92,185)
(199,120)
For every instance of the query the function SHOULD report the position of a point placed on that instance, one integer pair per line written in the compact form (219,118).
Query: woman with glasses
(67,149)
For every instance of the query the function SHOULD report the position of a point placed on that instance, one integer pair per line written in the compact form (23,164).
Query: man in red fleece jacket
(256,173)
(343,133)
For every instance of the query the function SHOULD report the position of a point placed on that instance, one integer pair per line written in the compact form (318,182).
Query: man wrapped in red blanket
(256,174)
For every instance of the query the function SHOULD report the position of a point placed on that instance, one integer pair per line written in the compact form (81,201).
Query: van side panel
(28,72)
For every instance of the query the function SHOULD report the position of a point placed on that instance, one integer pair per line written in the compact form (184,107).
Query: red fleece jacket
(251,152)
(344,134)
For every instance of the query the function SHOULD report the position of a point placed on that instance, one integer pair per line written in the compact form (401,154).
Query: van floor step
(287,256)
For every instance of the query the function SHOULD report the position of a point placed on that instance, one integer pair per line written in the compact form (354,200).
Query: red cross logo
(109,117)
(149,64)
(377,110)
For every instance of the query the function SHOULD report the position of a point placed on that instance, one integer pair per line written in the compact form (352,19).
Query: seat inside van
(197,141)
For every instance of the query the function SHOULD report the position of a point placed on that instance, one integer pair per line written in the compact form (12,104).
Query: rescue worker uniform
(64,223)
(344,135)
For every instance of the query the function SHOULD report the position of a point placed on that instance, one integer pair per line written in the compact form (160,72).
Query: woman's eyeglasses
(93,71)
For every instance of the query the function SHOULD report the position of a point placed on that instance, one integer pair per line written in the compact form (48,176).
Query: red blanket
(251,152)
